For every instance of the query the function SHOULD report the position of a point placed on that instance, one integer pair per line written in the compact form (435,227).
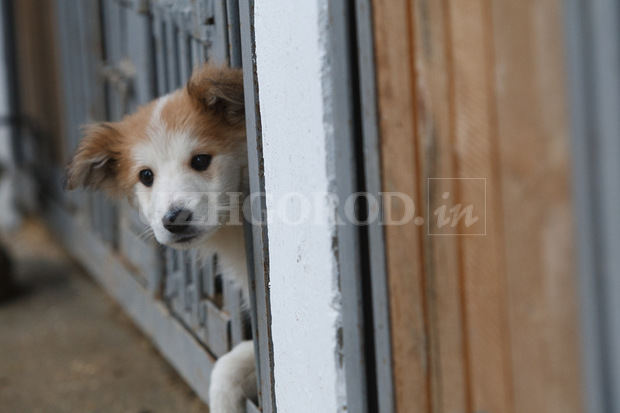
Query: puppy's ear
(218,90)
(95,163)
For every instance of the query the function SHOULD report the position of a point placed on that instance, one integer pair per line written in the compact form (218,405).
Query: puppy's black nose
(177,220)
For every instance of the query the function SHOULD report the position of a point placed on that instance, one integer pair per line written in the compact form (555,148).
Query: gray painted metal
(258,261)
(234,35)
(72,73)
(219,53)
(376,241)
(347,237)
(139,46)
(591,322)
(234,298)
(593,30)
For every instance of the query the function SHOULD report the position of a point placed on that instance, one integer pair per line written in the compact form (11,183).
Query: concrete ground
(66,347)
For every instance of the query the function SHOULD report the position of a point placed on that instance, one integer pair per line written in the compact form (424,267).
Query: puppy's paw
(233,380)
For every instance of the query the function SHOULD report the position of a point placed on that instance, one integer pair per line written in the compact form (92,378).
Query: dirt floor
(66,347)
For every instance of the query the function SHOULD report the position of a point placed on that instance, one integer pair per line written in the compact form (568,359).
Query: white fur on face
(176,185)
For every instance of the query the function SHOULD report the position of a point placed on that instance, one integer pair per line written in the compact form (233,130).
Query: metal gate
(117,55)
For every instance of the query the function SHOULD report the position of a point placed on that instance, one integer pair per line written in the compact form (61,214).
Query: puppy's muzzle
(177,220)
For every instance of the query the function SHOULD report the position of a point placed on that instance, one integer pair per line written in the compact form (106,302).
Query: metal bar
(145,257)
(171,53)
(579,71)
(140,49)
(347,182)
(233,305)
(208,278)
(184,56)
(201,17)
(72,93)
(594,61)
(9,60)
(217,329)
(376,241)
(219,47)
(198,54)
(258,260)
(234,36)
(233,300)
(606,52)
(92,59)
(159,35)
(112,35)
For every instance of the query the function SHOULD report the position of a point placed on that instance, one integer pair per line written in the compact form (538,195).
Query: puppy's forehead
(164,140)
(174,127)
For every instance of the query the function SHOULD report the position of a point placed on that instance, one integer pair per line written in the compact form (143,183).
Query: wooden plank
(484,284)
(534,150)
(479,323)
(435,139)
(404,257)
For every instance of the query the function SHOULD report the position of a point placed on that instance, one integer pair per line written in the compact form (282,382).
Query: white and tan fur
(205,118)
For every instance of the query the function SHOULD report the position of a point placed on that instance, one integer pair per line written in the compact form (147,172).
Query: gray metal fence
(593,29)
(117,55)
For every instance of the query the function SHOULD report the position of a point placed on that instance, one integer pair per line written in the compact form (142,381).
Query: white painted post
(298,141)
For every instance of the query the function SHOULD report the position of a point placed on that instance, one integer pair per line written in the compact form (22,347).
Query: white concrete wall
(305,301)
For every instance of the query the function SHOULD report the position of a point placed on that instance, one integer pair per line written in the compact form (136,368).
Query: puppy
(177,158)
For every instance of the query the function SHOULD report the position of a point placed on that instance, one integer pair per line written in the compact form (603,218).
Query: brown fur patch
(103,158)
(218,90)
(210,109)
(95,164)
(180,114)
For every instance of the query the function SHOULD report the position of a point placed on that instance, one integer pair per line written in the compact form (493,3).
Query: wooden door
(480,322)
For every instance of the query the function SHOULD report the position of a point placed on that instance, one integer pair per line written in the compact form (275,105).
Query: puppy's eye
(201,162)
(147,177)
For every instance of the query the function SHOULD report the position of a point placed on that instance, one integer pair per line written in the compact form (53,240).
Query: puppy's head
(177,157)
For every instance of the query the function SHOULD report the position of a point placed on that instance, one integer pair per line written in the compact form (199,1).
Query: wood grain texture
(482,256)
(442,254)
(474,89)
(535,169)
(400,174)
